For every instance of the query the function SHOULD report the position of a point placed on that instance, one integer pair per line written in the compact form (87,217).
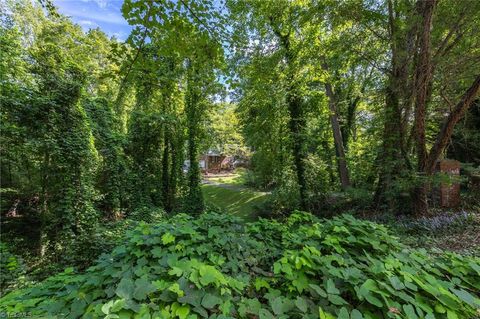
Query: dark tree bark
(337,136)
(423,76)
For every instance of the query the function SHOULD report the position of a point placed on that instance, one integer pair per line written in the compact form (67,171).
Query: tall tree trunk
(194,200)
(173,174)
(392,164)
(348,129)
(390,160)
(337,137)
(328,152)
(43,238)
(423,76)
(296,125)
(165,171)
(297,119)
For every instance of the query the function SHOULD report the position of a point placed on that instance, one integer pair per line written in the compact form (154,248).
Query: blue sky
(90,14)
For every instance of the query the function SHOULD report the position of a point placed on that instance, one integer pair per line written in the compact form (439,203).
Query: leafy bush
(12,270)
(214,266)
(147,214)
(23,247)
(351,200)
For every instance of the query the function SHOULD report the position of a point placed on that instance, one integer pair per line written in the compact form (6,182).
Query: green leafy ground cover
(215,266)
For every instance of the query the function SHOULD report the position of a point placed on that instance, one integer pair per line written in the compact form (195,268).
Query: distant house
(212,162)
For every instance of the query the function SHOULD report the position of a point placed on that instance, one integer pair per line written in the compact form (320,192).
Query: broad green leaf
(125,288)
(301,304)
(356,314)
(410,312)
(281,305)
(106,307)
(331,289)
(466,297)
(142,288)
(175,287)
(265,314)
(451,314)
(336,300)
(343,313)
(209,301)
(182,312)
(318,290)
(168,238)
(78,307)
(396,283)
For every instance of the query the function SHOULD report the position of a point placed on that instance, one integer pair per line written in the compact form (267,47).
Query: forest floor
(459,232)
(230,194)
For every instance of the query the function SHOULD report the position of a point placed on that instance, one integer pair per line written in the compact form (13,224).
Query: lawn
(239,201)
(239,177)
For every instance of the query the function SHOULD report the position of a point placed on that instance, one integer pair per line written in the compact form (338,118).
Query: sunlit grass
(237,178)
(241,202)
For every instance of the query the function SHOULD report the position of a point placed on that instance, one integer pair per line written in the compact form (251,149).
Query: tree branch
(196,17)
(449,124)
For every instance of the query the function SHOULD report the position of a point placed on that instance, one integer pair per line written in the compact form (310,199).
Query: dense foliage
(330,106)
(95,129)
(214,266)
(363,94)
(12,270)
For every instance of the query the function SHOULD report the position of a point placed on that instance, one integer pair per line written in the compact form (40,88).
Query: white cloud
(87,23)
(95,10)
(107,17)
(90,14)
(101,3)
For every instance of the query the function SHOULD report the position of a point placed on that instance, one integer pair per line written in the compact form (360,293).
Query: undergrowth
(20,265)
(213,266)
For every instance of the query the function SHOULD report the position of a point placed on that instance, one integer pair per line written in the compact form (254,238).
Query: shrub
(352,200)
(214,266)
(12,270)
(147,214)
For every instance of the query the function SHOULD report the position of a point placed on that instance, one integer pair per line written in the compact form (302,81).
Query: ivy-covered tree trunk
(390,159)
(297,124)
(166,162)
(422,82)
(194,200)
(70,162)
(393,156)
(297,121)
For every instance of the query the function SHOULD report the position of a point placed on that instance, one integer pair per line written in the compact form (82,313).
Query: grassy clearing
(241,202)
(237,178)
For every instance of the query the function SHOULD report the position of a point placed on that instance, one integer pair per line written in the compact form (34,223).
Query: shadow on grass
(240,202)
